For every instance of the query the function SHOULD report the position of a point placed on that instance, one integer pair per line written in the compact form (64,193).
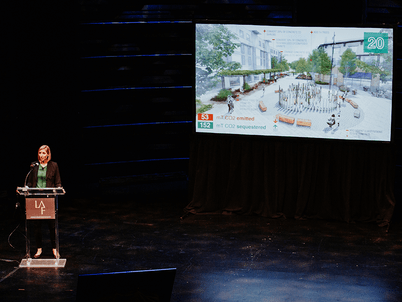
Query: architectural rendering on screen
(310,82)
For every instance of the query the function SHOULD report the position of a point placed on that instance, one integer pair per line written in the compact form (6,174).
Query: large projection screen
(294,81)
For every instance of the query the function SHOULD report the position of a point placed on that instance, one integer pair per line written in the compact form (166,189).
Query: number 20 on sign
(205,120)
(376,42)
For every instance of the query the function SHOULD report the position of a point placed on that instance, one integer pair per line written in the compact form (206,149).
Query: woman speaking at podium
(45,174)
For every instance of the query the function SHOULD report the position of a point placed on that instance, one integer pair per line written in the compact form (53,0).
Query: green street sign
(376,42)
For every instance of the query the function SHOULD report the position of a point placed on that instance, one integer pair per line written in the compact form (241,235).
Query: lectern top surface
(40,191)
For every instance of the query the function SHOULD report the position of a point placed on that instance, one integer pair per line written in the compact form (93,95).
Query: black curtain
(301,179)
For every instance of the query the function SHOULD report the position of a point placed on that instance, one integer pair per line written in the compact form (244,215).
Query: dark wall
(40,88)
(110,110)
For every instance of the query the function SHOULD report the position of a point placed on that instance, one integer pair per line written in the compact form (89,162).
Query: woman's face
(42,156)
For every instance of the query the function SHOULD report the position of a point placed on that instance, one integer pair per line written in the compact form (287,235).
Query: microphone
(34,164)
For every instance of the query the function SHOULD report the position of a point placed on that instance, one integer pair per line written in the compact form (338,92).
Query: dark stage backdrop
(274,178)
(292,178)
(79,77)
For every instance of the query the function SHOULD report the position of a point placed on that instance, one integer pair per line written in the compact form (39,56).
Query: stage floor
(218,257)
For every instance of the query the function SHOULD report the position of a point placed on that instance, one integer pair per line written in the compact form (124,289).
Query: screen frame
(297,138)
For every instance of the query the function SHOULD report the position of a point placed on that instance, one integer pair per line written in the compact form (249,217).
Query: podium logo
(40,206)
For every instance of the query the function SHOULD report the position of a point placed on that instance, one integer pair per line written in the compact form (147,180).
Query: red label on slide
(205,117)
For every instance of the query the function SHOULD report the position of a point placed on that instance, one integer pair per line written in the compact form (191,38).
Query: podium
(41,204)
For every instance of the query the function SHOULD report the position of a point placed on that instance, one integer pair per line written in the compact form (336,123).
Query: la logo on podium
(40,208)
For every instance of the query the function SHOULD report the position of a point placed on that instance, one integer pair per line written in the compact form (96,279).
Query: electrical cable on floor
(17,206)
(9,260)
(8,275)
(9,240)
(9,236)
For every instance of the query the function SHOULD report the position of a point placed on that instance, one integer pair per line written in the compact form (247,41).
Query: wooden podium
(41,203)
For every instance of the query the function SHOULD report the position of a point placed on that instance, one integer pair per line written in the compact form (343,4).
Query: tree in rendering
(300,66)
(319,62)
(348,62)
(214,45)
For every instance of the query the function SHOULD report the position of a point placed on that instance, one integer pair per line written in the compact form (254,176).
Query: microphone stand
(26,177)
(25,182)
